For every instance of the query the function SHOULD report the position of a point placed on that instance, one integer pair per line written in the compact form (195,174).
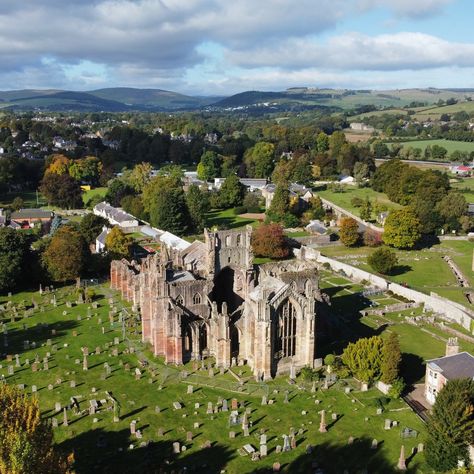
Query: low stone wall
(446,308)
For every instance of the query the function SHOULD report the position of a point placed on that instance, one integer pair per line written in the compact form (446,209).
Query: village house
(454,365)
(297,192)
(115,216)
(27,218)
(100,240)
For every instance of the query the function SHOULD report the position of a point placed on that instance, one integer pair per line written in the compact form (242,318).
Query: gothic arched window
(179,300)
(285,334)
(197,299)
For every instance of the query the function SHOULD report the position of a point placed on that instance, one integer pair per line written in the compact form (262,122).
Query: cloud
(355,51)
(408,8)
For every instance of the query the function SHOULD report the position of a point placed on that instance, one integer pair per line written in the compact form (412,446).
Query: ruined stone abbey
(209,300)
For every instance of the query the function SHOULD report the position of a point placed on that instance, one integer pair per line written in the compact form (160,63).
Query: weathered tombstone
(17,360)
(190,390)
(85,365)
(34,389)
(379,411)
(157,409)
(231,434)
(11,370)
(224,405)
(276,465)
(322,424)
(65,421)
(264,400)
(388,424)
(374,445)
(364,387)
(263,450)
(293,441)
(350,441)
(97,350)
(401,466)
(420,447)
(133,427)
(234,404)
(54,422)
(177,406)
(263,439)
(286,398)
(246,431)
(209,410)
(189,436)
(286,443)
(176,447)
(161,432)
(57,406)
(334,416)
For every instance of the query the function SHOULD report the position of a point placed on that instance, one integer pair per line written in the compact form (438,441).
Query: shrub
(357,201)
(383,260)
(240,210)
(372,238)
(397,388)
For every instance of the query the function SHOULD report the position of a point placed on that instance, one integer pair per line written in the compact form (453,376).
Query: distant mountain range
(120,99)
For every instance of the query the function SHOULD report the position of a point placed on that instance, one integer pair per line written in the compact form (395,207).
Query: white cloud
(404,50)
(408,8)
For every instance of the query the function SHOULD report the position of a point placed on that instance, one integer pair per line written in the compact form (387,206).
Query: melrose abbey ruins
(210,300)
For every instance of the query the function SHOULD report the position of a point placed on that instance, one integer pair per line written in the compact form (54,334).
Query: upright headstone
(322,424)
(401,460)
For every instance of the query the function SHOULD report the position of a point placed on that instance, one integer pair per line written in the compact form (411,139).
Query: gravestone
(350,441)
(234,404)
(54,422)
(189,436)
(224,405)
(72,384)
(388,424)
(286,443)
(374,445)
(176,447)
(190,390)
(133,427)
(34,389)
(231,434)
(263,450)
(209,410)
(177,406)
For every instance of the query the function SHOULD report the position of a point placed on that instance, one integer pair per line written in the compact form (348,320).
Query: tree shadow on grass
(38,333)
(412,368)
(334,458)
(400,270)
(108,452)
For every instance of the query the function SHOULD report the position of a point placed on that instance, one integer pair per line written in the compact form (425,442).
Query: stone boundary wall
(449,309)
(341,210)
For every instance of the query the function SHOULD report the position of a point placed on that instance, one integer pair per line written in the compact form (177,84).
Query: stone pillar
(401,466)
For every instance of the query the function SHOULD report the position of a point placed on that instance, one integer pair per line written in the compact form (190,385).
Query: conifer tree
(391,358)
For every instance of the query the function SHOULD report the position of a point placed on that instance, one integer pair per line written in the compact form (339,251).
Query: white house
(115,216)
(100,240)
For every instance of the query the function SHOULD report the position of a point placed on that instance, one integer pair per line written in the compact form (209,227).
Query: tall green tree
(391,358)
(169,211)
(62,191)
(366,210)
(210,166)
(232,192)
(259,160)
(402,229)
(280,205)
(383,260)
(91,226)
(14,256)
(451,425)
(198,205)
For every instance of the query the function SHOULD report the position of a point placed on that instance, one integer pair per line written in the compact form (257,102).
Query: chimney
(452,346)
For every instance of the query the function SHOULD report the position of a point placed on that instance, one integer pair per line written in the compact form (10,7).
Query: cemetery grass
(138,399)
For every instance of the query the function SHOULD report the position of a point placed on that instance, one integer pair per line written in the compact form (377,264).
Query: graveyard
(119,409)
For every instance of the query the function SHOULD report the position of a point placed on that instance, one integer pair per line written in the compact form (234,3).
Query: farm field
(450,145)
(63,332)
(344,199)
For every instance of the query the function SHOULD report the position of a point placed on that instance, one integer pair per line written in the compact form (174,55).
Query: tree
(209,167)
(168,211)
(118,244)
(253,202)
(372,238)
(26,439)
(366,210)
(402,229)
(391,358)
(198,205)
(451,425)
(452,205)
(349,231)
(58,164)
(259,160)
(87,170)
(322,142)
(140,176)
(280,205)
(232,192)
(14,256)
(268,241)
(91,226)
(116,191)
(383,260)
(17,203)
(361,172)
(66,254)
(62,191)
(364,358)
(134,206)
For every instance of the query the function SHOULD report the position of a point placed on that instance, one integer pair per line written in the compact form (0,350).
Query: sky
(221,47)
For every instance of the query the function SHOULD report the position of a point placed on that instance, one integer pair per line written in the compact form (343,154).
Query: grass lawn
(87,195)
(100,445)
(450,145)
(226,219)
(344,199)
(30,198)
(466,187)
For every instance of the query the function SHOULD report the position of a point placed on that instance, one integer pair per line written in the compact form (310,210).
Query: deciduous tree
(198,205)
(349,231)
(402,229)
(268,241)
(14,254)
(62,191)
(118,244)
(383,260)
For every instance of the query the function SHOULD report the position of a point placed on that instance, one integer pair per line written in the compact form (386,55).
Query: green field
(344,199)
(30,198)
(450,145)
(226,219)
(87,195)
(466,187)
(100,445)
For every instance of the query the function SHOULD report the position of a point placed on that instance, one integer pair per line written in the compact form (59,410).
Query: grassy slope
(450,145)
(86,195)
(466,183)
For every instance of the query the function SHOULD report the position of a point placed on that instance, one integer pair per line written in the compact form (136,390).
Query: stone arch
(179,300)
(197,299)
(224,290)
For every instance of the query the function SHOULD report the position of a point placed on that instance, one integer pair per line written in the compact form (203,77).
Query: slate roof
(31,214)
(101,237)
(457,366)
(116,214)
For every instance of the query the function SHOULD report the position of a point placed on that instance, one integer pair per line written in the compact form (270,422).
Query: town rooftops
(23,214)
(457,366)
(112,212)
